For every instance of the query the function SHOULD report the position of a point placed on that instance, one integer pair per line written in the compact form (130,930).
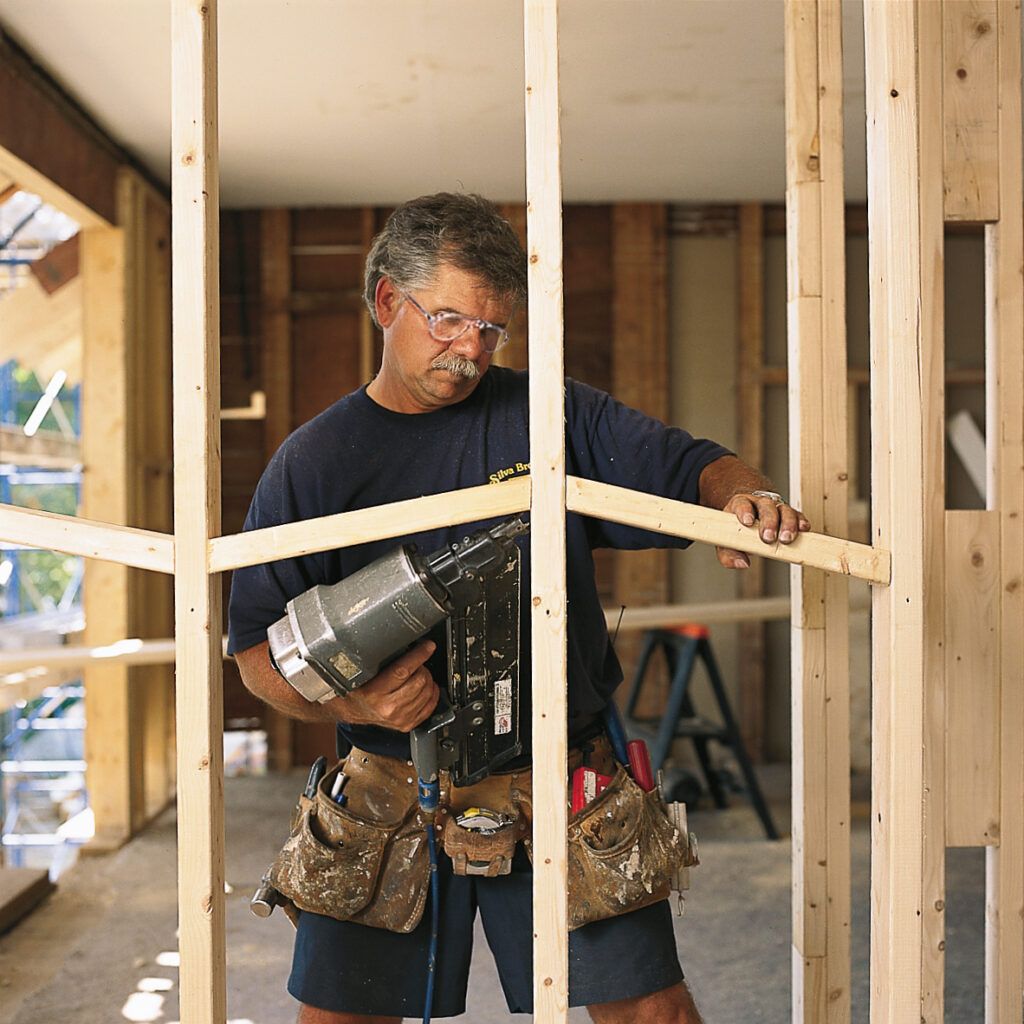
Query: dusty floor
(102,949)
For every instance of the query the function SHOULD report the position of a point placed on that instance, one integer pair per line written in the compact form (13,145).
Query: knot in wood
(982,28)
(961,73)
(894,93)
(977,558)
(189,158)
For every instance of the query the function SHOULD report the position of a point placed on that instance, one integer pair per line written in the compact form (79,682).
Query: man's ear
(386,301)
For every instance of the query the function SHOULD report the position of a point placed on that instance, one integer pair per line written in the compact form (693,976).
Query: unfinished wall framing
(915,181)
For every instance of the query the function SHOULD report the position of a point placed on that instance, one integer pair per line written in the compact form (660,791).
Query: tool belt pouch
(366,861)
(623,852)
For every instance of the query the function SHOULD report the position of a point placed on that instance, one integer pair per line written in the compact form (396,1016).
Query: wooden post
(750,431)
(194,190)
(547,512)
(640,378)
(1004,947)
(904,255)
(815,241)
(276,372)
(112,741)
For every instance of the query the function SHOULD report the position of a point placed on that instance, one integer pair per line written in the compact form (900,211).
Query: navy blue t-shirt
(357,454)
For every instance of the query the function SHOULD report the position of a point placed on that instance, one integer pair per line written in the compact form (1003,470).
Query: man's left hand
(776,522)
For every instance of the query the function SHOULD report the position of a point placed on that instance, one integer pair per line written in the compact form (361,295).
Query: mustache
(454,363)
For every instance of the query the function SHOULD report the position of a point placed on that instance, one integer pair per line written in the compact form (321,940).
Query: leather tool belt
(367,860)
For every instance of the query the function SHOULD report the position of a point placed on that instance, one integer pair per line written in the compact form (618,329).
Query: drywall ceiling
(371,101)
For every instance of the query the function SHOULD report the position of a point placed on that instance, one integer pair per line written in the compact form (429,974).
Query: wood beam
(363,525)
(44,332)
(750,431)
(904,253)
(640,379)
(275,296)
(818,485)
(972,678)
(970,110)
(49,147)
(1004,244)
(200,712)
(695,522)
(45,448)
(112,750)
(547,511)
(144,549)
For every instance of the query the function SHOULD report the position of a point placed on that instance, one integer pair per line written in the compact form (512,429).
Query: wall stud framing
(818,485)
(900,343)
(547,511)
(194,186)
(1004,947)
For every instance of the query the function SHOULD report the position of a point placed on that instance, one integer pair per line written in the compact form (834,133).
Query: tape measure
(482,819)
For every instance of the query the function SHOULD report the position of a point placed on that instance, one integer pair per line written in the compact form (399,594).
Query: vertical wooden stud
(194,191)
(111,739)
(818,485)
(367,353)
(514,354)
(970,109)
(547,510)
(275,291)
(640,378)
(1004,241)
(750,431)
(903,345)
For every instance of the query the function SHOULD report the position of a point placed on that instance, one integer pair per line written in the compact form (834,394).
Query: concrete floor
(102,949)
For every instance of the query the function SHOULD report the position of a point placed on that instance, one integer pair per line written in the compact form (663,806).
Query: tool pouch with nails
(366,861)
(624,852)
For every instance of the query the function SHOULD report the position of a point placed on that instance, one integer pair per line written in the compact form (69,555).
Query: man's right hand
(399,697)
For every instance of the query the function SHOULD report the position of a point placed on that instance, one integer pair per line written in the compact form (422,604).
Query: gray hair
(464,231)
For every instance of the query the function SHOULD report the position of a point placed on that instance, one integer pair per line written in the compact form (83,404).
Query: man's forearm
(262,680)
(727,476)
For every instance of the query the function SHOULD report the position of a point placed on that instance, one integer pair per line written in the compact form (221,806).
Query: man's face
(418,373)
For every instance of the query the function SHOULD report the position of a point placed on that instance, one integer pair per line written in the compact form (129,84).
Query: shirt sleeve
(259,593)
(614,444)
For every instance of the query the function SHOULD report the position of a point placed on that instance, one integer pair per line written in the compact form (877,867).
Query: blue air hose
(429,796)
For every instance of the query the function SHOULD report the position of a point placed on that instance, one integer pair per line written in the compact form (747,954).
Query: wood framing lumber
(747,609)
(547,511)
(47,146)
(900,320)
(972,678)
(46,449)
(750,430)
(125,545)
(640,379)
(126,651)
(1004,263)
(364,525)
(195,249)
(695,522)
(20,890)
(931,357)
(816,271)
(112,751)
(44,331)
(970,109)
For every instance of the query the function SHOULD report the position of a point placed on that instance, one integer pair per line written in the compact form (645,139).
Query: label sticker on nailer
(503,706)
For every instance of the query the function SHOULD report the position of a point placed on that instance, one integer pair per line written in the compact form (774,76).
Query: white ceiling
(340,102)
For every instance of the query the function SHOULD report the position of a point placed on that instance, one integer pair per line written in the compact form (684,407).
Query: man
(442,282)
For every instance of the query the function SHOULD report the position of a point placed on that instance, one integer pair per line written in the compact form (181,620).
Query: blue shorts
(350,968)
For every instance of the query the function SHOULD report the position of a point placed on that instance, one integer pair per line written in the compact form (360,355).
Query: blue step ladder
(683,647)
